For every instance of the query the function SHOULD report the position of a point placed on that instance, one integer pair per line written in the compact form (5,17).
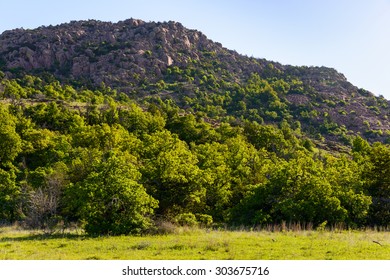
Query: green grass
(198,245)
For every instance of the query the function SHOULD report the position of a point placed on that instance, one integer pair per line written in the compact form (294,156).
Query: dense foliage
(116,167)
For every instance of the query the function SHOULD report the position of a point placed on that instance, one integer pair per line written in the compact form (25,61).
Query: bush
(186,219)
(110,200)
(204,219)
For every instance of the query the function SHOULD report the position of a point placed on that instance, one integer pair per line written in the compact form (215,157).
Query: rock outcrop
(104,51)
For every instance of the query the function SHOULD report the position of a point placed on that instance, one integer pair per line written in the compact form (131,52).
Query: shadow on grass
(45,236)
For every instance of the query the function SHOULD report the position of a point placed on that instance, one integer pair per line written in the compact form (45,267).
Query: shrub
(186,219)
(110,200)
(204,219)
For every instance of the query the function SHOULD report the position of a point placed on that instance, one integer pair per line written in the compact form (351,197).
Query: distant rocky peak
(124,50)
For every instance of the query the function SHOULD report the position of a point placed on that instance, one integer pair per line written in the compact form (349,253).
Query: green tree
(345,176)
(13,90)
(191,130)
(10,142)
(110,200)
(171,174)
(104,138)
(43,148)
(54,117)
(297,191)
(139,122)
(268,137)
(377,177)
(9,197)
(248,166)
(360,146)
(216,178)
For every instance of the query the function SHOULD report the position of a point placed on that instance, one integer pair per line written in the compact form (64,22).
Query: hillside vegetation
(120,127)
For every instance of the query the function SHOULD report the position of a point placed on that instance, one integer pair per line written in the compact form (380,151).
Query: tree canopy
(116,166)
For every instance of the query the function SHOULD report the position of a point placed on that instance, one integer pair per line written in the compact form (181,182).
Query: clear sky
(352,36)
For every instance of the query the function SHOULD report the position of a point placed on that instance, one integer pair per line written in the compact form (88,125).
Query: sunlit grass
(197,244)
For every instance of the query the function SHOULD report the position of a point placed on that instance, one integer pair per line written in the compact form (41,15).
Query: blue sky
(352,36)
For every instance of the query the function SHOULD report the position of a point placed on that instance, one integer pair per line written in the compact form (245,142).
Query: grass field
(197,244)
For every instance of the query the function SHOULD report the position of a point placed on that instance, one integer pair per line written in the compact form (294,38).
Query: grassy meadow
(197,244)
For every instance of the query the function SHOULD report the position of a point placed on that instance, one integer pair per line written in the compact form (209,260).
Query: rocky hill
(115,54)
(135,127)
(166,60)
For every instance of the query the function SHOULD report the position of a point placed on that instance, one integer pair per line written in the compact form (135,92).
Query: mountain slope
(93,48)
(166,60)
(121,127)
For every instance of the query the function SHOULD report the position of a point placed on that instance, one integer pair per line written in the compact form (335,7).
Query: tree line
(99,159)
